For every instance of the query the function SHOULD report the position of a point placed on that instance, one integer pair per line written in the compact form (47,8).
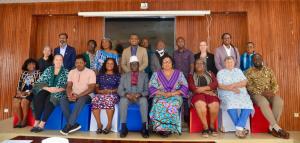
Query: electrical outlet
(5,110)
(296,115)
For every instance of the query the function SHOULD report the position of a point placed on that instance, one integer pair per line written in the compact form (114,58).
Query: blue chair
(134,119)
(83,119)
(55,119)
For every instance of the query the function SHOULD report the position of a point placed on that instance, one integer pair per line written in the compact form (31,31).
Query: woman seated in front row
(167,86)
(48,90)
(24,94)
(106,96)
(203,84)
(233,94)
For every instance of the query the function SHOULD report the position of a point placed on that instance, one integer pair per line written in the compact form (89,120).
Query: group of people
(162,83)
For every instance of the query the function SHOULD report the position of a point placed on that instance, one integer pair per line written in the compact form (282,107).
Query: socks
(239,128)
(276,127)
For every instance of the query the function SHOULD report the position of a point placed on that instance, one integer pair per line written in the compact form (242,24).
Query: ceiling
(37,1)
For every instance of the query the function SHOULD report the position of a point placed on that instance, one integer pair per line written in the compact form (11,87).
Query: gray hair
(228,58)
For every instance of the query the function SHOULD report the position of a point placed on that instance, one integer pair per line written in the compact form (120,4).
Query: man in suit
(133,88)
(160,52)
(134,50)
(227,49)
(66,51)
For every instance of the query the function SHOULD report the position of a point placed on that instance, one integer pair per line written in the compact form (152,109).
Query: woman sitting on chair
(24,94)
(203,84)
(48,90)
(233,94)
(167,86)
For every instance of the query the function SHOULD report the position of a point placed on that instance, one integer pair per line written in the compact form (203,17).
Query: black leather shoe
(124,131)
(145,133)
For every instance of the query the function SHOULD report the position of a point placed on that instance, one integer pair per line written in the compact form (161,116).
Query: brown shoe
(284,134)
(280,134)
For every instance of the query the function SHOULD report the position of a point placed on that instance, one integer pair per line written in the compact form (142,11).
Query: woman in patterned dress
(233,95)
(106,93)
(24,94)
(105,52)
(167,86)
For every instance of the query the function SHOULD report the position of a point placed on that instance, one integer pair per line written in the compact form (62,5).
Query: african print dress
(164,114)
(106,101)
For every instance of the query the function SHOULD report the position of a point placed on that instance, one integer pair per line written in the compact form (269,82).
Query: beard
(258,65)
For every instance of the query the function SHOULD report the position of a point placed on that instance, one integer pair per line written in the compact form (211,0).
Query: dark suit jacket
(69,57)
(210,62)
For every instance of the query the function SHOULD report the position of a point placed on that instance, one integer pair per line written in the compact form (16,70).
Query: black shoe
(17,126)
(99,131)
(106,131)
(124,131)
(33,129)
(144,131)
(75,128)
(164,134)
(65,131)
(36,129)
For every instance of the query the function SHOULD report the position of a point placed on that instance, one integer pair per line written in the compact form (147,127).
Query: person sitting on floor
(262,86)
(133,88)
(81,83)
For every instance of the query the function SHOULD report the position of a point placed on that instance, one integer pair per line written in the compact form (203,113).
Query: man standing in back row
(184,61)
(66,51)
(134,50)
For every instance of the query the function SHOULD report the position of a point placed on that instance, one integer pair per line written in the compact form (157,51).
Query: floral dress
(164,114)
(106,101)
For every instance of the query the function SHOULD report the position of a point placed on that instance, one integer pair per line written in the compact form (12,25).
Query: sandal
(99,131)
(213,132)
(240,134)
(205,133)
(106,131)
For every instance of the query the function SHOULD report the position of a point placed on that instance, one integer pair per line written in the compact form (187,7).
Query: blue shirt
(246,61)
(133,50)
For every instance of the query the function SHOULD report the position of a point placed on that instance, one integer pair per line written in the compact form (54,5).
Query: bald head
(257,61)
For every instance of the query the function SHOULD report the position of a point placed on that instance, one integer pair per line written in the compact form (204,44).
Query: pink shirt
(81,79)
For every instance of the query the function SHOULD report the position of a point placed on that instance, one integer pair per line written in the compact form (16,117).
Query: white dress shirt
(62,50)
(228,50)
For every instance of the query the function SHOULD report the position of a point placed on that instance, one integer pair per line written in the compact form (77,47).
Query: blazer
(125,86)
(210,62)
(155,63)
(141,54)
(69,57)
(221,54)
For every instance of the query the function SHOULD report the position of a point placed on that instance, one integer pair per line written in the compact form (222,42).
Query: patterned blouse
(59,81)
(261,80)
(27,80)
(100,58)
(106,81)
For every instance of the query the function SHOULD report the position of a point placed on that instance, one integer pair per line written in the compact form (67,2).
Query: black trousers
(42,104)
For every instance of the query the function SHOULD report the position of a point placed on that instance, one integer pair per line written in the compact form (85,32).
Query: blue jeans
(239,120)
(79,104)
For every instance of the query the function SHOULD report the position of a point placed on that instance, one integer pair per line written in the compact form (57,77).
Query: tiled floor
(7,132)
